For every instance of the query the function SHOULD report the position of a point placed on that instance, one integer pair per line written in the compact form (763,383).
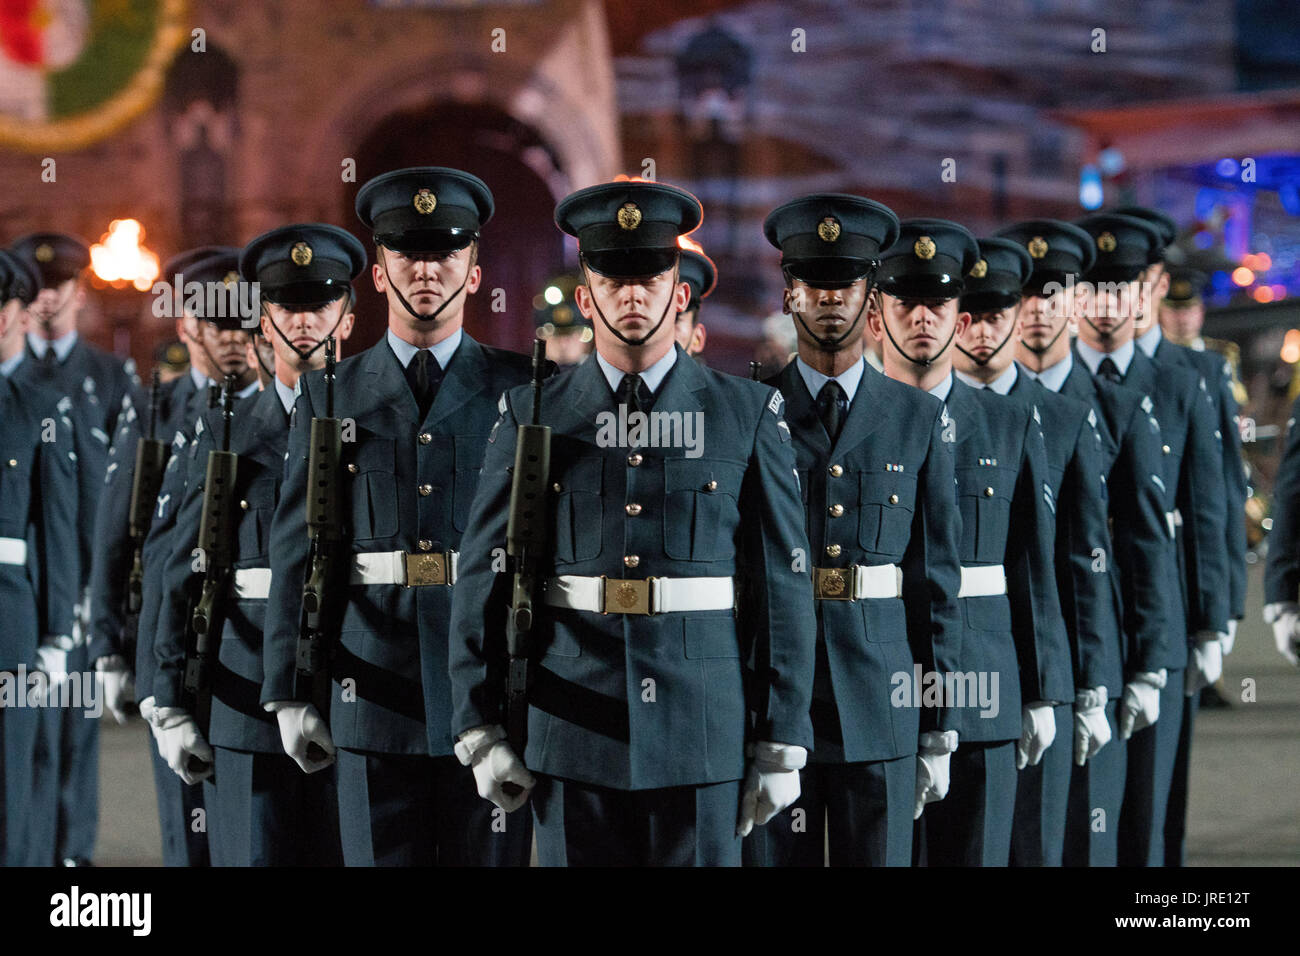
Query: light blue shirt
(200,380)
(1122,356)
(1002,384)
(1053,377)
(849,379)
(62,345)
(286,394)
(942,390)
(9,366)
(1149,340)
(653,376)
(442,351)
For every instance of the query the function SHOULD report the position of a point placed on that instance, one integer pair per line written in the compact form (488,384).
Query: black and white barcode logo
(77,909)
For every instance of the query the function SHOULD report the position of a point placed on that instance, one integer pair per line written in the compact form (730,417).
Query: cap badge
(300,254)
(629,216)
(1106,242)
(1037,247)
(828,229)
(981,269)
(44,253)
(1182,289)
(924,248)
(424,201)
(230,278)
(562,315)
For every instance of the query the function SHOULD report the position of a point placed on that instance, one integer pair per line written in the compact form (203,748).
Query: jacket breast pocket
(469,461)
(578,525)
(984,494)
(374,488)
(700,514)
(258,506)
(886,501)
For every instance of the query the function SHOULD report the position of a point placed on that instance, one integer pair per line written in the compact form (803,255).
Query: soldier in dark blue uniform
(422,403)
(883,527)
(39,576)
(1014,632)
(1282,571)
(101,388)
(262,809)
(1217,373)
(638,726)
(1195,494)
(985,359)
(701,275)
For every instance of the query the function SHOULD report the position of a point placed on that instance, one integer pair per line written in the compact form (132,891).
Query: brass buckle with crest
(424,569)
(833,584)
(626,595)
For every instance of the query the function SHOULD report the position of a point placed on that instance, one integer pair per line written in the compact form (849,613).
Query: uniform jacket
(406,482)
(634,702)
(893,476)
(1282,572)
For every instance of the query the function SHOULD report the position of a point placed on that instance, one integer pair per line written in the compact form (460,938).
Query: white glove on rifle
(1229,640)
(1285,618)
(1140,706)
(117,684)
(932,760)
(52,659)
(181,744)
(1037,731)
(500,775)
(146,711)
(1091,729)
(771,783)
(304,735)
(1205,666)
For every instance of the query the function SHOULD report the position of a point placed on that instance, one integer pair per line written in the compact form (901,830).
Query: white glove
(496,767)
(117,684)
(1229,640)
(1091,729)
(181,744)
(146,711)
(1205,666)
(305,737)
(932,763)
(1037,731)
(52,660)
(1285,618)
(1140,706)
(771,783)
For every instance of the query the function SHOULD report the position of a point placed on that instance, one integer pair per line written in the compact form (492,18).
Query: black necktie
(832,406)
(424,375)
(634,393)
(1110,371)
(49,361)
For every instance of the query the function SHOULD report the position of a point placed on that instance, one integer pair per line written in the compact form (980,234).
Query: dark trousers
(182,817)
(583,825)
(1042,792)
(410,810)
(18,729)
(1096,794)
(864,811)
(1152,753)
(1176,812)
(264,811)
(972,825)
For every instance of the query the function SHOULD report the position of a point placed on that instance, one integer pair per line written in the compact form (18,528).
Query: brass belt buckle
(833,584)
(627,596)
(424,569)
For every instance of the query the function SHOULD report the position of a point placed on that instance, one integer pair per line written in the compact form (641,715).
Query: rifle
(526,543)
(216,543)
(150,461)
(325,529)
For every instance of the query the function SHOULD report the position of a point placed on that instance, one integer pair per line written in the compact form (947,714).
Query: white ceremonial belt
(606,595)
(984,581)
(868,581)
(410,570)
(13,551)
(252,584)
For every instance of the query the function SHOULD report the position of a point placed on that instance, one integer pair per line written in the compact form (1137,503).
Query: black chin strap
(983,362)
(46,322)
(833,343)
(621,337)
(406,305)
(304,356)
(1105,334)
(923,363)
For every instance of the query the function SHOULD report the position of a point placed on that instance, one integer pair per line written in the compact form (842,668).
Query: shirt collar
(442,351)
(1122,356)
(286,393)
(200,380)
(10,365)
(1053,377)
(942,390)
(849,379)
(653,376)
(1149,340)
(1002,384)
(62,345)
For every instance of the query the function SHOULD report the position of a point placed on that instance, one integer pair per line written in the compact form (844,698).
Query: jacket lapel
(387,389)
(801,411)
(864,417)
(464,378)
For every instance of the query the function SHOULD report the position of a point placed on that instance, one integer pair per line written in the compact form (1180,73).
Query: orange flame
(120,256)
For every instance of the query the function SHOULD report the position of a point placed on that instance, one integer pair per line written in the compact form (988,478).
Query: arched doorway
(521,248)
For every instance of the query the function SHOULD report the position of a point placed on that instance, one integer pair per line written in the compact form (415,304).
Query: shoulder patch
(774,403)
